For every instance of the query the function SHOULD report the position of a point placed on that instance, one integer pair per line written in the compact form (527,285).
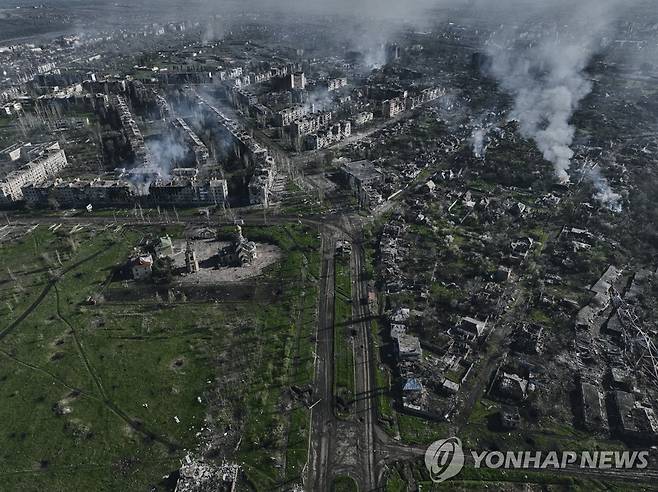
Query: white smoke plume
(213,30)
(482,125)
(165,154)
(319,100)
(543,67)
(604,194)
(162,156)
(479,143)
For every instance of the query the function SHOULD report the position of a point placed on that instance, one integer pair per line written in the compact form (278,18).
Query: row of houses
(613,393)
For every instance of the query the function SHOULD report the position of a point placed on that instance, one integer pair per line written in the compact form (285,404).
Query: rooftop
(363,170)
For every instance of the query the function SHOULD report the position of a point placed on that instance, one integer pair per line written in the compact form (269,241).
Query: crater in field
(57,356)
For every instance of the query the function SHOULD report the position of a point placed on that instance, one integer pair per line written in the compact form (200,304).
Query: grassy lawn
(383,382)
(5,121)
(73,394)
(276,342)
(416,430)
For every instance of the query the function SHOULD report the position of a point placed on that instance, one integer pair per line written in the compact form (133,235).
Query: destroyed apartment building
(407,102)
(194,143)
(363,178)
(29,165)
(236,143)
(181,191)
(131,131)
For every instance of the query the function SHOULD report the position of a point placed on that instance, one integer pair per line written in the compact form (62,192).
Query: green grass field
(343,346)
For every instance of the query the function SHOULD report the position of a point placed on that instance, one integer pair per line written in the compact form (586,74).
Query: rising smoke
(539,51)
(542,63)
(319,100)
(539,54)
(479,143)
(482,125)
(603,193)
(163,155)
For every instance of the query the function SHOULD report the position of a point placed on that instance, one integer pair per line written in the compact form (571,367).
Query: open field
(112,395)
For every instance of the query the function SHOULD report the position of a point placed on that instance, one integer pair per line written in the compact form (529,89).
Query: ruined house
(141,267)
(633,420)
(408,347)
(471,328)
(591,407)
(510,387)
(412,393)
(509,418)
(528,339)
